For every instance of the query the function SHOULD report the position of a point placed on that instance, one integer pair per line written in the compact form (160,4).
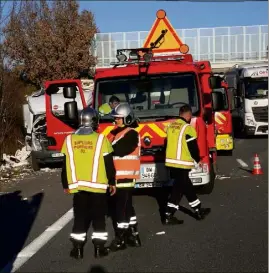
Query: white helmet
(123,110)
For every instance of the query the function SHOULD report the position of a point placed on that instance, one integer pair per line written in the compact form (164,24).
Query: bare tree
(50,39)
(10,97)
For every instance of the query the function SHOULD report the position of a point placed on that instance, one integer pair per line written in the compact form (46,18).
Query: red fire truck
(155,87)
(223,121)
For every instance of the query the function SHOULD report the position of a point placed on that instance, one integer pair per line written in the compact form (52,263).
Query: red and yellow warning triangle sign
(163,37)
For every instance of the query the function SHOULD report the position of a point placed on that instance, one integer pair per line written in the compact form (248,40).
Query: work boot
(132,237)
(100,251)
(170,219)
(119,243)
(201,213)
(77,250)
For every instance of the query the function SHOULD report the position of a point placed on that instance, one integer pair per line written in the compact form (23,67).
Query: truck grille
(260,113)
(155,150)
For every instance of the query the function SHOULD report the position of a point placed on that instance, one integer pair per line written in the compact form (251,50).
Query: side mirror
(215,82)
(70,92)
(231,94)
(232,81)
(71,111)
(238,102)
(217,101)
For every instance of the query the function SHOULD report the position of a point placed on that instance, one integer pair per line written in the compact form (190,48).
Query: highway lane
(232,238)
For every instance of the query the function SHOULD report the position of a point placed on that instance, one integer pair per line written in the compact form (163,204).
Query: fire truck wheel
(35,164)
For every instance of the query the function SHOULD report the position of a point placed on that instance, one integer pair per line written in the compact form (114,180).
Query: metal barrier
(218,45)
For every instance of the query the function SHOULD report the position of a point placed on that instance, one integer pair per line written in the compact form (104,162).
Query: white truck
(250,86)
(34,115)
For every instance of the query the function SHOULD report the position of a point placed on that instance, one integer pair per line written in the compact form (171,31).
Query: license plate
(144,185)
(152,185)
(57,155)
(149,172)
(153,173)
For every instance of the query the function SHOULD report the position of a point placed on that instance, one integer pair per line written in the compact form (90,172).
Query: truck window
(58,101)
(225,98)
(255,88)
(152,95)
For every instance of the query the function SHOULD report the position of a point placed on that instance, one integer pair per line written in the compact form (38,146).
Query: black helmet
(89,118)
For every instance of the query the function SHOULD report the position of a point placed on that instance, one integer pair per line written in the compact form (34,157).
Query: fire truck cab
(155,87)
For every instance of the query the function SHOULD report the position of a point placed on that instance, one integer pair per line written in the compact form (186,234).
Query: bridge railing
(220,44)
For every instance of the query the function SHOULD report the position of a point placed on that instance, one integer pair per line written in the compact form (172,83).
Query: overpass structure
(224,47)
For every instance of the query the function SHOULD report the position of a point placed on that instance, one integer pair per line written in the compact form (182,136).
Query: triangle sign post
(163,38)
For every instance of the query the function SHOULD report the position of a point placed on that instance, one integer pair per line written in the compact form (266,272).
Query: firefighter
(106,108)
(88,172)
(181,152)
(126,145)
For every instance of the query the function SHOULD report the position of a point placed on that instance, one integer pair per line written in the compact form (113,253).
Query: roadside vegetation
(40,40)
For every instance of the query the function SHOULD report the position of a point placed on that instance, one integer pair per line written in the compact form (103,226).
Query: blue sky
(118,16)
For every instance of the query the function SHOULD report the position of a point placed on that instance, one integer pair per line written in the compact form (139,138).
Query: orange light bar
(160,14)
(184,49)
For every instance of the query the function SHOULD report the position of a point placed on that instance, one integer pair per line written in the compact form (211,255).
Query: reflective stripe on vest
(127,166)
(119,173)
(179,150)
(129,157)
(126,185)
(93,183)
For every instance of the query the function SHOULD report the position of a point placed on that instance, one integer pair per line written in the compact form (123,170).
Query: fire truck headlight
(147,141)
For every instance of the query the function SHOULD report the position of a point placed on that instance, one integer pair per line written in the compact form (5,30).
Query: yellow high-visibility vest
(85,166)
(104,109)
(177,152)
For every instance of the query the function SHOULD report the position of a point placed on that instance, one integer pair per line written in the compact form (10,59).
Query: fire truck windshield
(158,95)
(257,88)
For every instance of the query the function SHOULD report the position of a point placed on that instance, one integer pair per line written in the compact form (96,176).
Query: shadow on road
(17,217)
(97,269)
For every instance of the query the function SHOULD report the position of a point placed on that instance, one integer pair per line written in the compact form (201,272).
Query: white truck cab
(250,84)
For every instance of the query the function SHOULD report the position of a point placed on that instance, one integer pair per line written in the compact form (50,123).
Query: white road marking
(222,177)
(242,163)
(160,233)
(39,242)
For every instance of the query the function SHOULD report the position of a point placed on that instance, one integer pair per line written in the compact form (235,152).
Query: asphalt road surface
(233,238)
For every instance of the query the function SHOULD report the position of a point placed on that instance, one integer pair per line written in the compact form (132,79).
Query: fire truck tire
(208,188)
(34,163)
